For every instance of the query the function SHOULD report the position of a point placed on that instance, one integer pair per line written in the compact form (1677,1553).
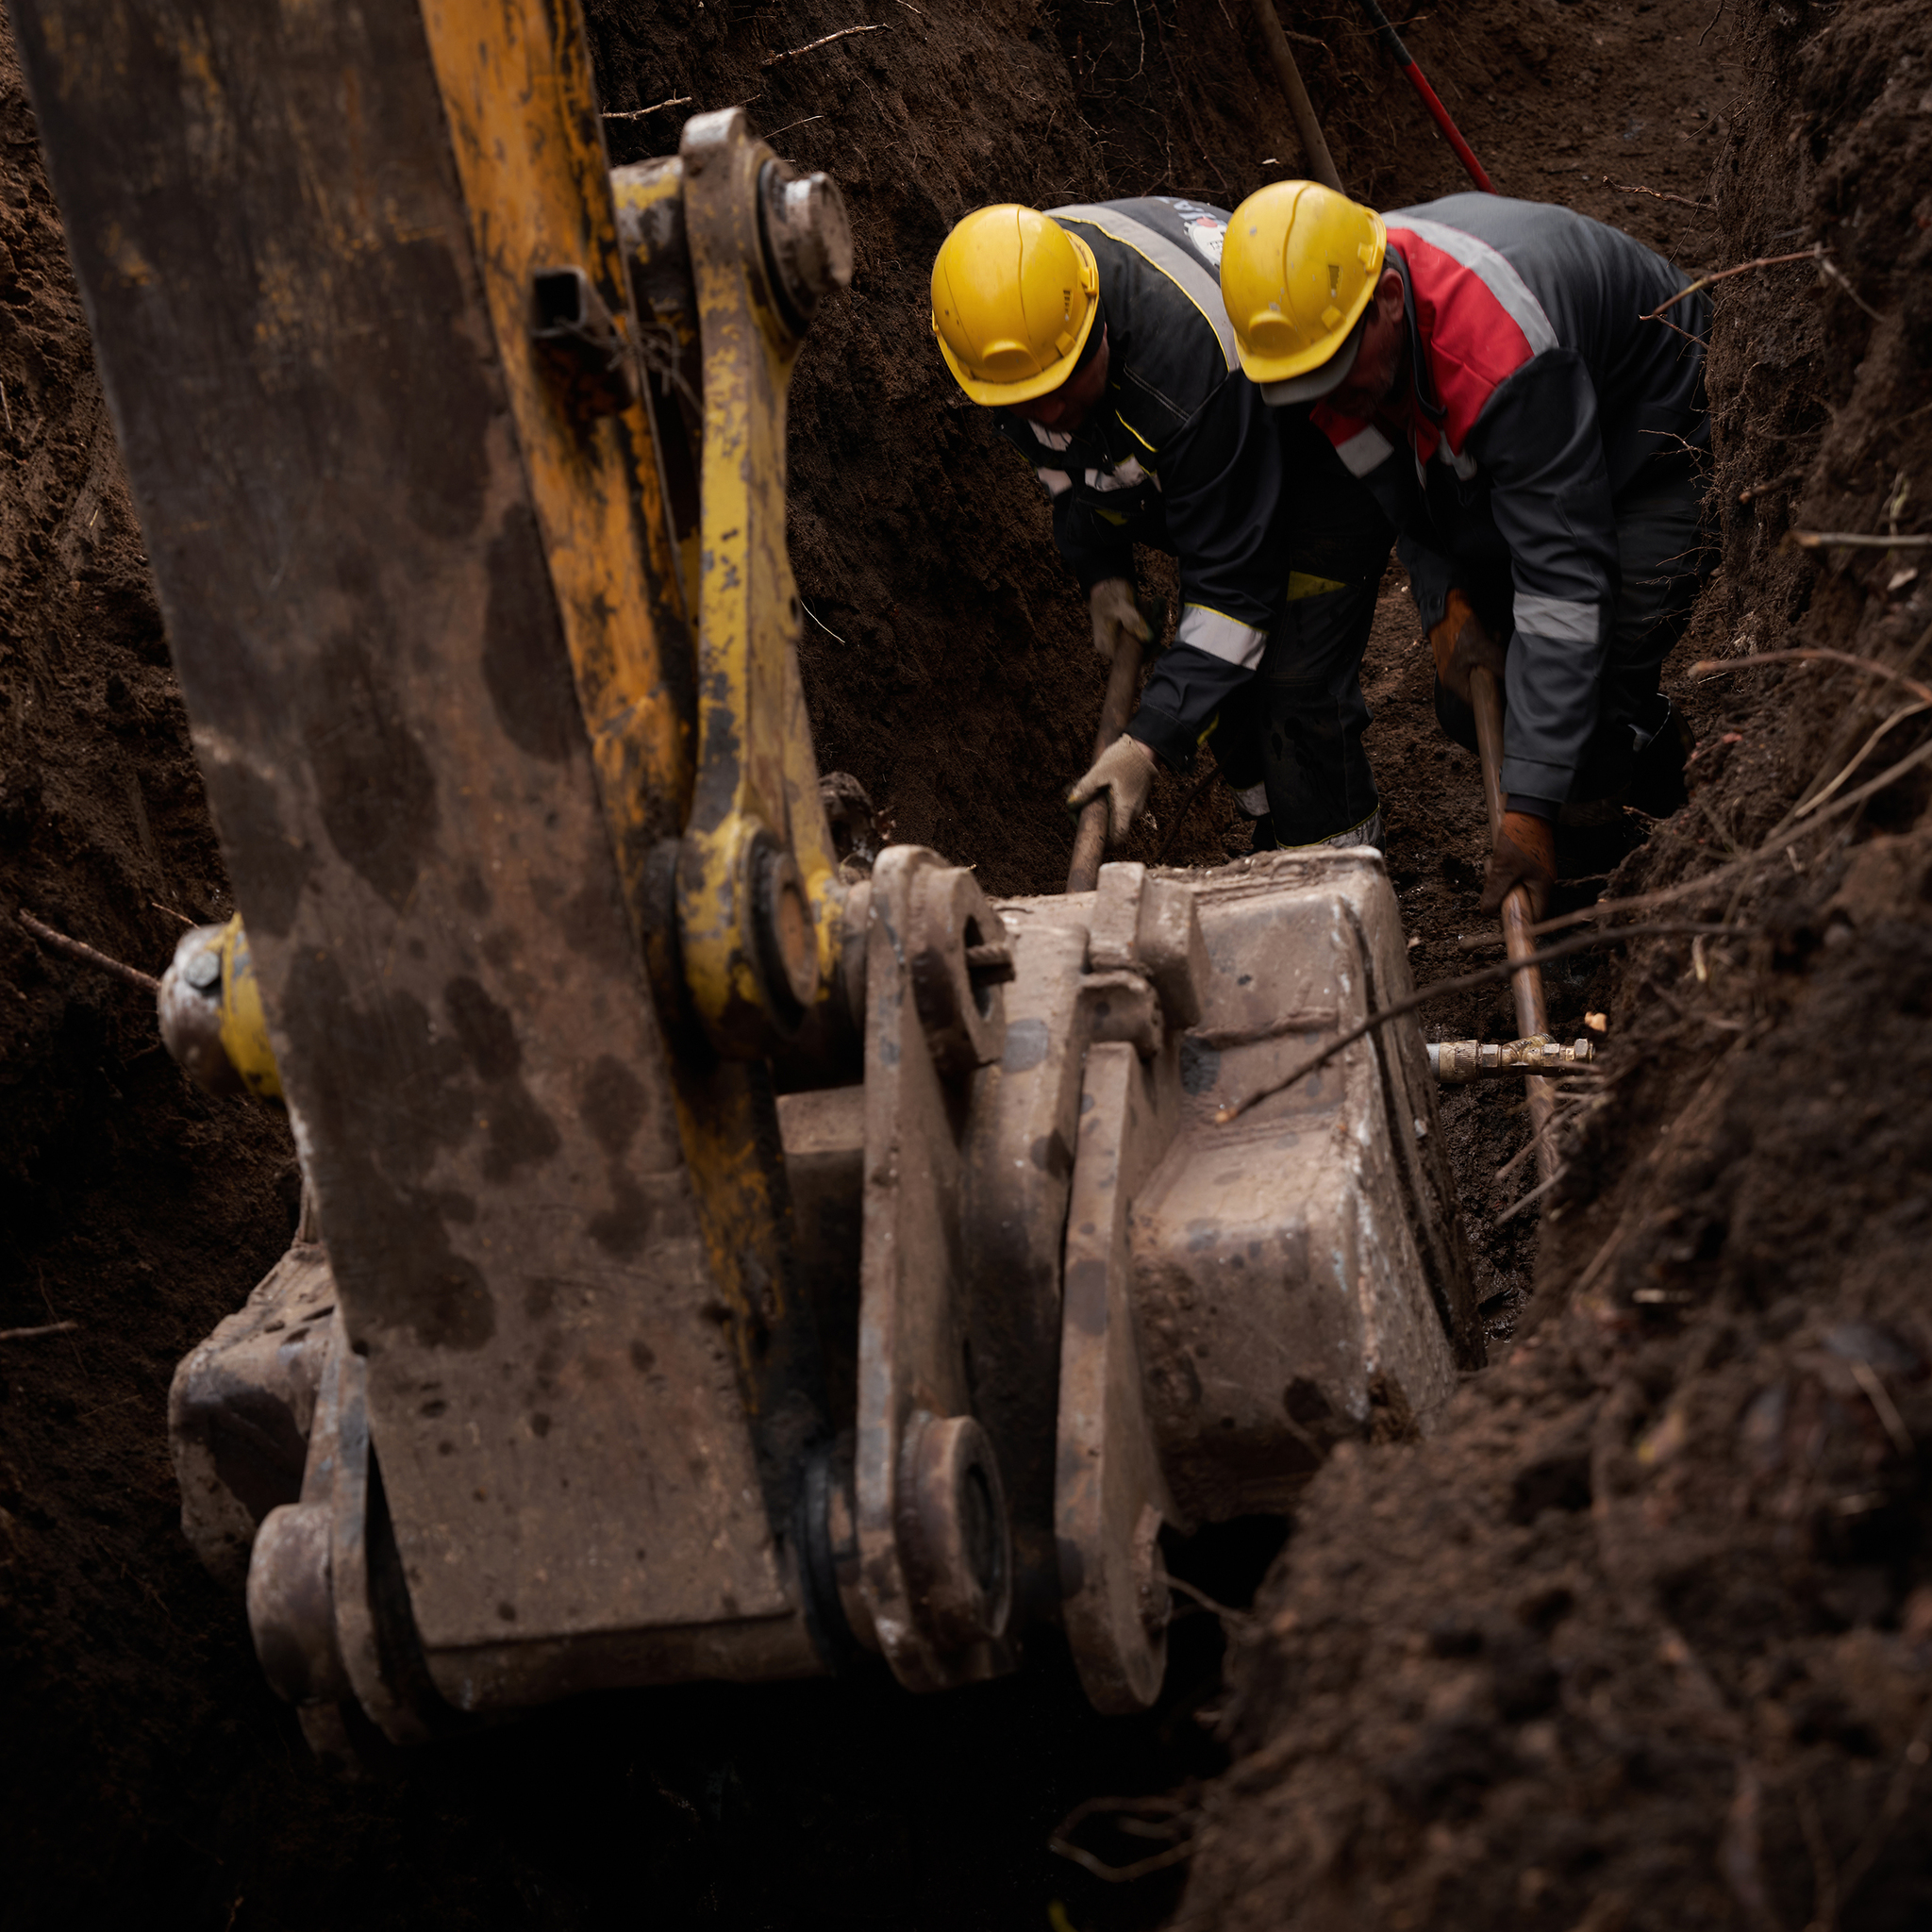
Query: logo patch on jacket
(1206,229)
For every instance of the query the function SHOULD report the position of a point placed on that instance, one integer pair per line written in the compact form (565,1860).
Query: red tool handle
(1417,79)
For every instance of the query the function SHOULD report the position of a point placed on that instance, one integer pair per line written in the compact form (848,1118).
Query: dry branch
(825,40)
(1815,253)
(657,108)
(1709,667)
(1180,1814)
(78,949)
(1848,539)
(1703,207)
(44,1328)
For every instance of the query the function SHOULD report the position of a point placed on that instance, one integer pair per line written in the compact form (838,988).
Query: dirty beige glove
(1111,601)
(1125,770)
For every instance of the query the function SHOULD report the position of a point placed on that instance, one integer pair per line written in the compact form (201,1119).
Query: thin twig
(1886,1409)
(1859,757)
(1849,539)
(1711,22)
(78,949)
(1896,1798)
(44,1328)
(1709,667)
(810,611)
(1838,274)
(787,129)
(825,40)
(7,406)
(639,113)
(1523,1201)
(1659,194)
(1814,253)
(1178,1811)
(1238,1619)
(1465,982)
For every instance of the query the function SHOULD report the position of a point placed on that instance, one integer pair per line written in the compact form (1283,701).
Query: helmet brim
(1316,383)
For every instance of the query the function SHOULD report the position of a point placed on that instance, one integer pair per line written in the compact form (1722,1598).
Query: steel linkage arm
(756,877)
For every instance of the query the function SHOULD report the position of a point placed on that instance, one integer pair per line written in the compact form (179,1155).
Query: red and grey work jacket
(1180,454)
(1536,393)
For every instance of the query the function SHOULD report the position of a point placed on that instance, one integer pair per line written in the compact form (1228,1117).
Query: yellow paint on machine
(244,1026)
(757,774)
(523,114)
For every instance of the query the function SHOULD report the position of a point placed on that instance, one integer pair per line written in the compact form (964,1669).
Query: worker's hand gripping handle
(1122,695)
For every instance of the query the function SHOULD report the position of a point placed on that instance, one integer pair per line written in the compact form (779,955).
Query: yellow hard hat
(1298,268)
(1013,301)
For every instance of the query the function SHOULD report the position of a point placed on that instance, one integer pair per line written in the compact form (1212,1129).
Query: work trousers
(1664,556)
(1290,746)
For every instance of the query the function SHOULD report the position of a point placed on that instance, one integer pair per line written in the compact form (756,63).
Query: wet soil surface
(1641,1638)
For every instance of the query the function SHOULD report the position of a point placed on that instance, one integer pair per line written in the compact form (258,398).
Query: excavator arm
(598,1360)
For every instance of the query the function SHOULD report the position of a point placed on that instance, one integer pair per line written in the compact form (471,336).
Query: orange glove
(1526,855)
(1461,643)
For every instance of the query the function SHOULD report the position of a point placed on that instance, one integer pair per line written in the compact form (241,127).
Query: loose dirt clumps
(1642,1638)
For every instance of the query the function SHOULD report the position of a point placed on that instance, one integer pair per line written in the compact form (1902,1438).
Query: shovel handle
(1090,839)
(1122,695)
(1518,916)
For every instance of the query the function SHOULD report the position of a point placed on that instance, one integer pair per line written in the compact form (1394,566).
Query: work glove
(1461,643)
(1111,602)
(1125,770)
(1525,855)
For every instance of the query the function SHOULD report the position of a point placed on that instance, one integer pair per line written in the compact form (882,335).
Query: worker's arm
(1539,442)
(1221,491)
(1095,548)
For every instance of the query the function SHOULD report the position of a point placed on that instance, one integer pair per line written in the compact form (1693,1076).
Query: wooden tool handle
(1518,915)
(1122,691)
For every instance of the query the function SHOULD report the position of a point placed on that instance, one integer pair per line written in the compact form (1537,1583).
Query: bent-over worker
(1484,366)
(1098,336)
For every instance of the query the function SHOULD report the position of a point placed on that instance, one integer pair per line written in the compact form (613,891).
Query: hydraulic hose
(1417,79)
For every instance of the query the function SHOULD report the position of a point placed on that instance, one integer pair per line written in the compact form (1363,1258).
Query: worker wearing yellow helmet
(1485,366)
(1097,336)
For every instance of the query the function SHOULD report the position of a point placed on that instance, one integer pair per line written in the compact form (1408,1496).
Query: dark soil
(1641,1638)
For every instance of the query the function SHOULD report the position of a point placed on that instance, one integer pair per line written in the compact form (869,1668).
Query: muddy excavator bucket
(598,1362)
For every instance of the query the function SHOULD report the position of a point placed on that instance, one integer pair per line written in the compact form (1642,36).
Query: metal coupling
(960,1002)
(783,932)
(209,1006)
(291,1604)
(1456,1062)
(953,1528)
(807,238)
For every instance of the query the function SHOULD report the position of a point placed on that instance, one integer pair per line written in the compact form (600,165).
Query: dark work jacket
(1535,394)
(1179,453)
